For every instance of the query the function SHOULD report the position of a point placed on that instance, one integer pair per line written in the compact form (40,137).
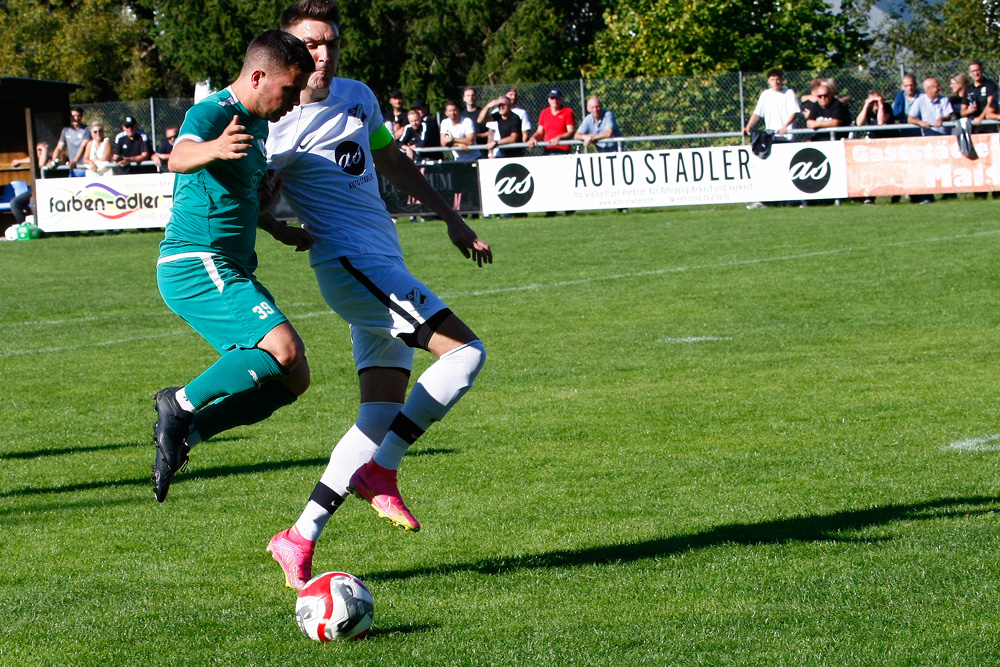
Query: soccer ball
(335,605)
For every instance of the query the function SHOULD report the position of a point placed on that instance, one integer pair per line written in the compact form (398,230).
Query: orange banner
(921,165)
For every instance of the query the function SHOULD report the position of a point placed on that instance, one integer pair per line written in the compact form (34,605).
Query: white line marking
(693,339)
(65,348)
(501,290)
(984,443)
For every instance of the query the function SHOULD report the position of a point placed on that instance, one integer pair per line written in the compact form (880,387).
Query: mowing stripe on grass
(693,339)
(984,443)
(65,348)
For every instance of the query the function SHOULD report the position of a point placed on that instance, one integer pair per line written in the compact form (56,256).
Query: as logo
(514,185)
(809,170)
(351,158)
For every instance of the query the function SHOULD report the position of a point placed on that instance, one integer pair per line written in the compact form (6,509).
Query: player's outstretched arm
(297,237)
(405,175)
(190,156)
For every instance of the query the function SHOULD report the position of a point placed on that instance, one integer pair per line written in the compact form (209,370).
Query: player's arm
(297,237)
(190,156)
(406,176)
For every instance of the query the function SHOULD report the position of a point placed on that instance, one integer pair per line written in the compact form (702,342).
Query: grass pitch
(702,437)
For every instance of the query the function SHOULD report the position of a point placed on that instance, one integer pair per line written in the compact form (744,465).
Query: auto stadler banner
(669,177)
(921,165)
(140,201)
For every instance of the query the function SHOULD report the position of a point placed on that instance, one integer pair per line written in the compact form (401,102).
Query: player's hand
(267,193)
(233,143)
(297,237)
(468,243)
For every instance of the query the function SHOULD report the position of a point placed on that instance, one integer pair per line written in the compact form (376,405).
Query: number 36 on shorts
(263,310)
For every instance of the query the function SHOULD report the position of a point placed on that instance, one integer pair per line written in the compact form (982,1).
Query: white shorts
(384,304)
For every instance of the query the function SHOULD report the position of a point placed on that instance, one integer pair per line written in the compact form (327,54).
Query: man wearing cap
(131,147)
(395,117)
(555,124)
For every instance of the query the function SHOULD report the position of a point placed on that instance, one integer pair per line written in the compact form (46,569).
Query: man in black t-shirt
(505,128)
(825,113)
(395,117)
(980,97)
(471,112)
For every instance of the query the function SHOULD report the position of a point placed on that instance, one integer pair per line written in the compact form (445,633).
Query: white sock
(182,400)
(353,451)
(437,390)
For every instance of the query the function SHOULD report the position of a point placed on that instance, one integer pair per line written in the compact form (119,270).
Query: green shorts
(219,299)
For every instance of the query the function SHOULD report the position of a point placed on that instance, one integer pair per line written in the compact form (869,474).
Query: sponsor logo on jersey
(416,297)
(351,158)
(514,185)
(809,170)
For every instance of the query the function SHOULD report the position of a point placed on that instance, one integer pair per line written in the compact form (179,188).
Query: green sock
(249,407)
(236,371)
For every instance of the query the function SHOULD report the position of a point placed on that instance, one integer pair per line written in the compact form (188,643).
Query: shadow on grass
(816,528)
(431,451)
(409,629)
(205,473)
(62,451)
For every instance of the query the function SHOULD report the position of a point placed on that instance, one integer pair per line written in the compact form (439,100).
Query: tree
(673,37)
(955,29)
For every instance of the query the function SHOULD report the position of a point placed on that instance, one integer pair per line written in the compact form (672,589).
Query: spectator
(505,128)
(599,124)
(70,143)
(959,84)
(395,117)
(810,96)
(21,206)
(511,98)
(980,98)
(432,133)
(471,111)
(874,112)
(930,110)
(777,106)
(41,156)
(131,147)
(413,134)
(162,153)
(555,124)
(826,112)
(98,151)
(458,132)
(905,98)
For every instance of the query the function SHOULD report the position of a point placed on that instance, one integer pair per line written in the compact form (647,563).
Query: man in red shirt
(555,124)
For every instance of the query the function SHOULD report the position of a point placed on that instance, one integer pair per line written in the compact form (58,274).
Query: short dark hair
(976,62)
(452,103)
(775,72)
(79,110)
(281,49)
(327,11)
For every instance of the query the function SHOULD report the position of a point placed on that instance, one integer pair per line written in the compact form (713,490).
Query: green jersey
(215,209)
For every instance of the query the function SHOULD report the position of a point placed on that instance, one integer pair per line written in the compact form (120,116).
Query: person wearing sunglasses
(162,153)
(826,112)
(97,151)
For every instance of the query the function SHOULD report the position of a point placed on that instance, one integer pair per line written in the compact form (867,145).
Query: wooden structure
(31,110)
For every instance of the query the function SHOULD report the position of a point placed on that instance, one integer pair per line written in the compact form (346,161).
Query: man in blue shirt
(930,110)
(599,124)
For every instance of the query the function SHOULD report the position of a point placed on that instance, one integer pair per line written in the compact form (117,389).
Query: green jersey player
(207,259)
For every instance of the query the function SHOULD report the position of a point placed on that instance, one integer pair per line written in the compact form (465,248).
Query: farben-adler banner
(140,201)
(670,177)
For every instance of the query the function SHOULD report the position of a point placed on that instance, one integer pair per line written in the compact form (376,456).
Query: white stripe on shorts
(206,259)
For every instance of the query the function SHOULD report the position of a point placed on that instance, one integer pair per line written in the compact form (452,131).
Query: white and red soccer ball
(335,605)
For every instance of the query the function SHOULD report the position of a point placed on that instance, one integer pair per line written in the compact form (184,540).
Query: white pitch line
(693,339)
(984,443)
(66,348)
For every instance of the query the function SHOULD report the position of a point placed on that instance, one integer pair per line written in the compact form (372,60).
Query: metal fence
(644,107)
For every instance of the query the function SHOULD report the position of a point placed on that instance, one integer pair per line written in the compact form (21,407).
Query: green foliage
(672,38)
(954,29)
(98,43)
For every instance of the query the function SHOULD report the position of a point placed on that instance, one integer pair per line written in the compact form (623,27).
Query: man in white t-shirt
(329,158)
(459,133)
(778,107)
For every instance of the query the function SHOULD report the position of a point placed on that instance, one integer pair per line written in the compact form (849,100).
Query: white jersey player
(325,156)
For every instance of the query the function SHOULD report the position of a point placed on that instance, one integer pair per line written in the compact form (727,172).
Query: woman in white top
(97,152)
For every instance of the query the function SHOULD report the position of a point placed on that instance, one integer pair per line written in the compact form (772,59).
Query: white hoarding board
(669,177)
(140,201)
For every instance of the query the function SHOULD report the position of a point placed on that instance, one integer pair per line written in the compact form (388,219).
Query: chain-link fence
(153,116)
(644,107)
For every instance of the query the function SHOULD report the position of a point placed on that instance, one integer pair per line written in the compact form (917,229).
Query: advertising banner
(921,165)
(140,201)
(456,181)
(672,177)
